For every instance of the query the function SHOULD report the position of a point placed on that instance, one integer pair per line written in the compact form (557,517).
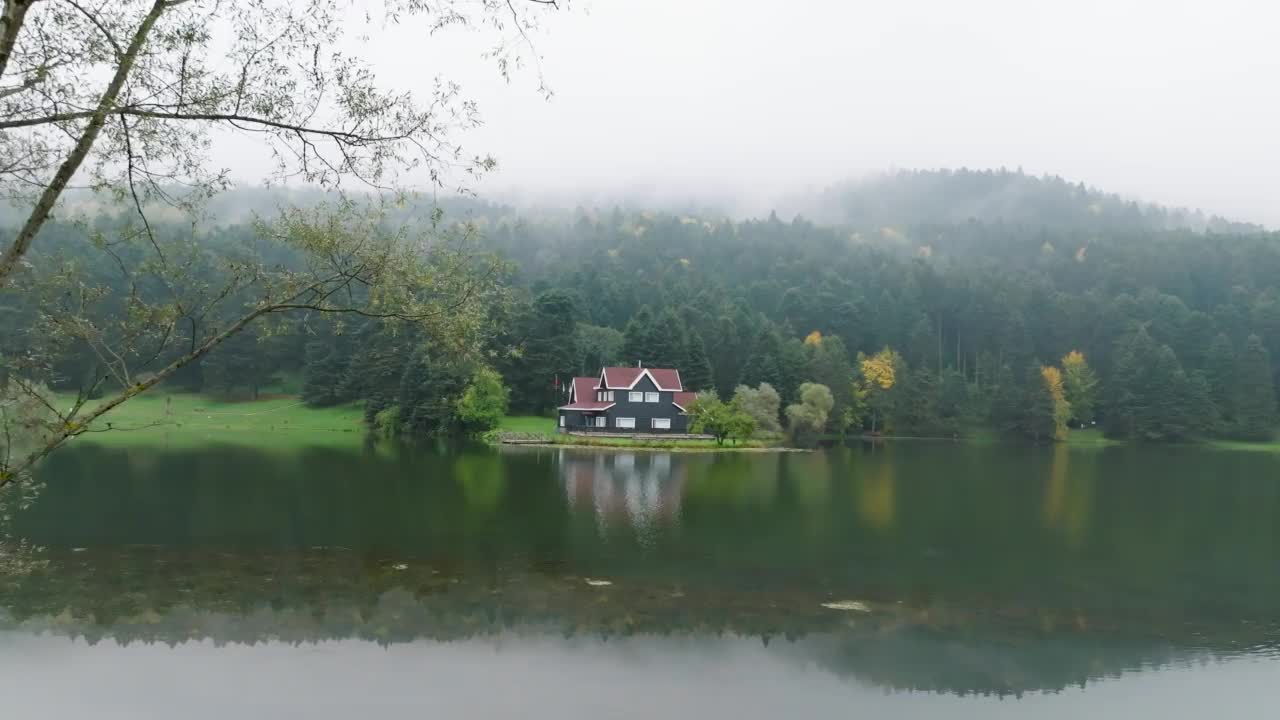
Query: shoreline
(653,447)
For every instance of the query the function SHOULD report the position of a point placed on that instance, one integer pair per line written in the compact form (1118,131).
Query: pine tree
(1220,372)
(1254,393)
(637,337)
(916,411)
(668,345)
(548,351)
(1038,418)
(1149,397)
(375,372)
(1206,419)
(695,370)
(325,363)
(726,361)
(430,388)
(922,344)
(238,368)
(764,365)
(1006,404)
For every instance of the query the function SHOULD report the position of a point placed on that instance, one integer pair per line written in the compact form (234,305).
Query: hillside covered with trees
(935,304)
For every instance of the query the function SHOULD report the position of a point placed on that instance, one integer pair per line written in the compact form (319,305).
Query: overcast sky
(1174,102)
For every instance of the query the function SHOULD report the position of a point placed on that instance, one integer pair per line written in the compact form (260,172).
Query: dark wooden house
(627,400)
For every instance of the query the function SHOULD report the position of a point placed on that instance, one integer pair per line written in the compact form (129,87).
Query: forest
(933,304)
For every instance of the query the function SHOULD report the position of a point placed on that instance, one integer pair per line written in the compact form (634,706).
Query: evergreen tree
(548,352)
(1007,402)
(956,409)
(430,388)
(325,364)
(726,361)
(1150,394)
(1038,418)
(695,370)
(238,368)
(638,337)
(1206,420)
(376,371)
(916,410)
(1220,374)
(922,344)
(1254,392)
(668,345)
(765,362)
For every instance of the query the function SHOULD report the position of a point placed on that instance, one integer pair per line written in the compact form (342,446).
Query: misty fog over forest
(694,358)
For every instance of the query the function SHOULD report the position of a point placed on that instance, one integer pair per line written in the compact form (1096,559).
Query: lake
(902,580)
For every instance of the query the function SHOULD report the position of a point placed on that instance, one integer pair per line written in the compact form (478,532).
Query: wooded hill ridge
(980,283)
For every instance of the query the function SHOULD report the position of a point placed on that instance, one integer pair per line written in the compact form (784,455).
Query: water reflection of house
(637,490)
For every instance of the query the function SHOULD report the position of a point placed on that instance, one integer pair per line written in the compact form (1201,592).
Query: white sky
(1172,101)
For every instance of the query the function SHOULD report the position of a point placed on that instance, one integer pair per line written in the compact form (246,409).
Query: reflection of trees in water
(877,496)
(1068,496)
(921,659)
(641,491)
(326,596)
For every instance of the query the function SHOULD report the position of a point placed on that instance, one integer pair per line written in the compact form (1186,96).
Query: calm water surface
(914,580)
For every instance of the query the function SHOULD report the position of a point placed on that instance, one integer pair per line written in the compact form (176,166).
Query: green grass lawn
(1092,437)
(179,419)
(527,424)
(1269,446)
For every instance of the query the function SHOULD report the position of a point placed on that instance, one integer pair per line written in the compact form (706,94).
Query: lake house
(627,400)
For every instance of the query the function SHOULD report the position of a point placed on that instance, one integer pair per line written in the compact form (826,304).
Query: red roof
(626,377)
(682,399)
(584,396)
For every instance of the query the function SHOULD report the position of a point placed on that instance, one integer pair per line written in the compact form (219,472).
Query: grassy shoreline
(546,428)
(190,420)
(284,421)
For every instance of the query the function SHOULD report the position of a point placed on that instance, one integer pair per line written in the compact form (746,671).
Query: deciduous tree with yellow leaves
(874,388)
(1080,385)
(1061,408)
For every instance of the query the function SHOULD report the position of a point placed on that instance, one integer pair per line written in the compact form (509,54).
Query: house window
(561,421)
(651,397)
(601,420)
(635,396)
(609,396)
(662,423)
(629,423)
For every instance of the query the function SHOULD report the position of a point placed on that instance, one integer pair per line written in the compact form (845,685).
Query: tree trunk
(66,171)
(11,18)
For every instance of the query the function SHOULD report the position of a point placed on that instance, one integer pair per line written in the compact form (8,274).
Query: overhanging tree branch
(44,205)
